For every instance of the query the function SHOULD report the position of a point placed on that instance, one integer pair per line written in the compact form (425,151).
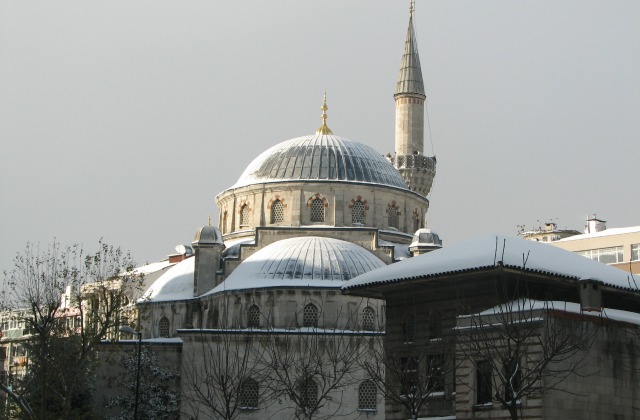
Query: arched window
(308,394)
(224,222)
(317,210)
(310,316)
(357,212)
(409,328)
(393,217)
(368,319)
(253,317)
(163,327)
(367,395)
(277,212)
(416,222)
(244,215)
(249,394)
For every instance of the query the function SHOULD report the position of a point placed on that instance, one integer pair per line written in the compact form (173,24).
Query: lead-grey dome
(306,261)
(321,157)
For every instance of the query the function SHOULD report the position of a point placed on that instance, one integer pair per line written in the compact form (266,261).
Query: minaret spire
(417,170)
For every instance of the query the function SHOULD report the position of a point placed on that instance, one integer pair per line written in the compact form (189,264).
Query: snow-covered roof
(307,261)
(526,305)
(602,233)
(494,250)
(400,251)
(153,267)
(175,284)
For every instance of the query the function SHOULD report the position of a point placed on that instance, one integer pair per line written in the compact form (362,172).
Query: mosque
(305,216)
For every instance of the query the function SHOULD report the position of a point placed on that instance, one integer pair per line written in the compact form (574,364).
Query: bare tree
(311,366)
(51,286)
(413,372)
(224,375)
(522,349)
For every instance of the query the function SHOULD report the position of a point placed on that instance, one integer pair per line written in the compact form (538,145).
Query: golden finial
(209,220)
(323,130)
(412,5)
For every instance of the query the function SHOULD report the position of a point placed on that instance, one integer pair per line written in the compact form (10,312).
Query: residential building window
(409,328)
(317,210)
(368,319)
(253,317)
(277,212)
(483,382)
(163,327)
(308,394)
(635,252)
(310,316)
(249,394)
(367,395)
(357,212)
(610,255)
(393,217)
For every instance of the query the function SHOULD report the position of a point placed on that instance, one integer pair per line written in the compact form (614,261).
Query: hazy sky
(124,119)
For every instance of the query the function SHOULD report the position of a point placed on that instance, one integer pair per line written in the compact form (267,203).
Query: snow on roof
(400,251)
(306,261)
(175,284)
(152,267)
(602,233)
(492,250)
(525,305)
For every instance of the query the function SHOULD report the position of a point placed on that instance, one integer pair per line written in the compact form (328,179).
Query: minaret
(417,170)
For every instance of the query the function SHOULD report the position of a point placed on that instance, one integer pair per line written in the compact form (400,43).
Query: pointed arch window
(368,319)
(393,217)
(253,317)
(249,394)
(310,316)
(224,222)
(244,215)
(357,212)
(317,210)
(277,212)
(163,327)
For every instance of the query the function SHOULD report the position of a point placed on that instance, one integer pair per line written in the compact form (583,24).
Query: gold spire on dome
(324,130)
(412,5)
(209,220)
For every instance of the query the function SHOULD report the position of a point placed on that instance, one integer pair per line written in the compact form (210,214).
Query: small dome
(175,284)
(321,157)
(426,237)
(208,235)
(309,261)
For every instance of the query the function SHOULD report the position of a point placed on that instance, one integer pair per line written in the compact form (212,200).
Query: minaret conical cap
(410,78)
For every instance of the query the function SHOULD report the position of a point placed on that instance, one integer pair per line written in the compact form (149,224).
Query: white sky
(124,119)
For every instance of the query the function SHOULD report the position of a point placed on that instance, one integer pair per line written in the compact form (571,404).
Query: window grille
(163,327)
(409,375)
(277,212)
(368,319)
(317,210)
(393,217)
(308,394)
(310,316)
(253,317)
(367,395)
(244,215)
(357,212)
(249,394)
(435,373)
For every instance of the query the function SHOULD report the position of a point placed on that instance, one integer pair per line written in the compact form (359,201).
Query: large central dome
(322,157)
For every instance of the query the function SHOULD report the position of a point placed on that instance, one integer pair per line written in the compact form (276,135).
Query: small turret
(424,240)
(208,247)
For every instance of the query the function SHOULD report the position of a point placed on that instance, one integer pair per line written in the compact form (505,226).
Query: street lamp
(128,330)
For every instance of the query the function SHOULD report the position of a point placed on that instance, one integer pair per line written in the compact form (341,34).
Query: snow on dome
(321,157)
(307,261)
(175,284)
(493,250)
